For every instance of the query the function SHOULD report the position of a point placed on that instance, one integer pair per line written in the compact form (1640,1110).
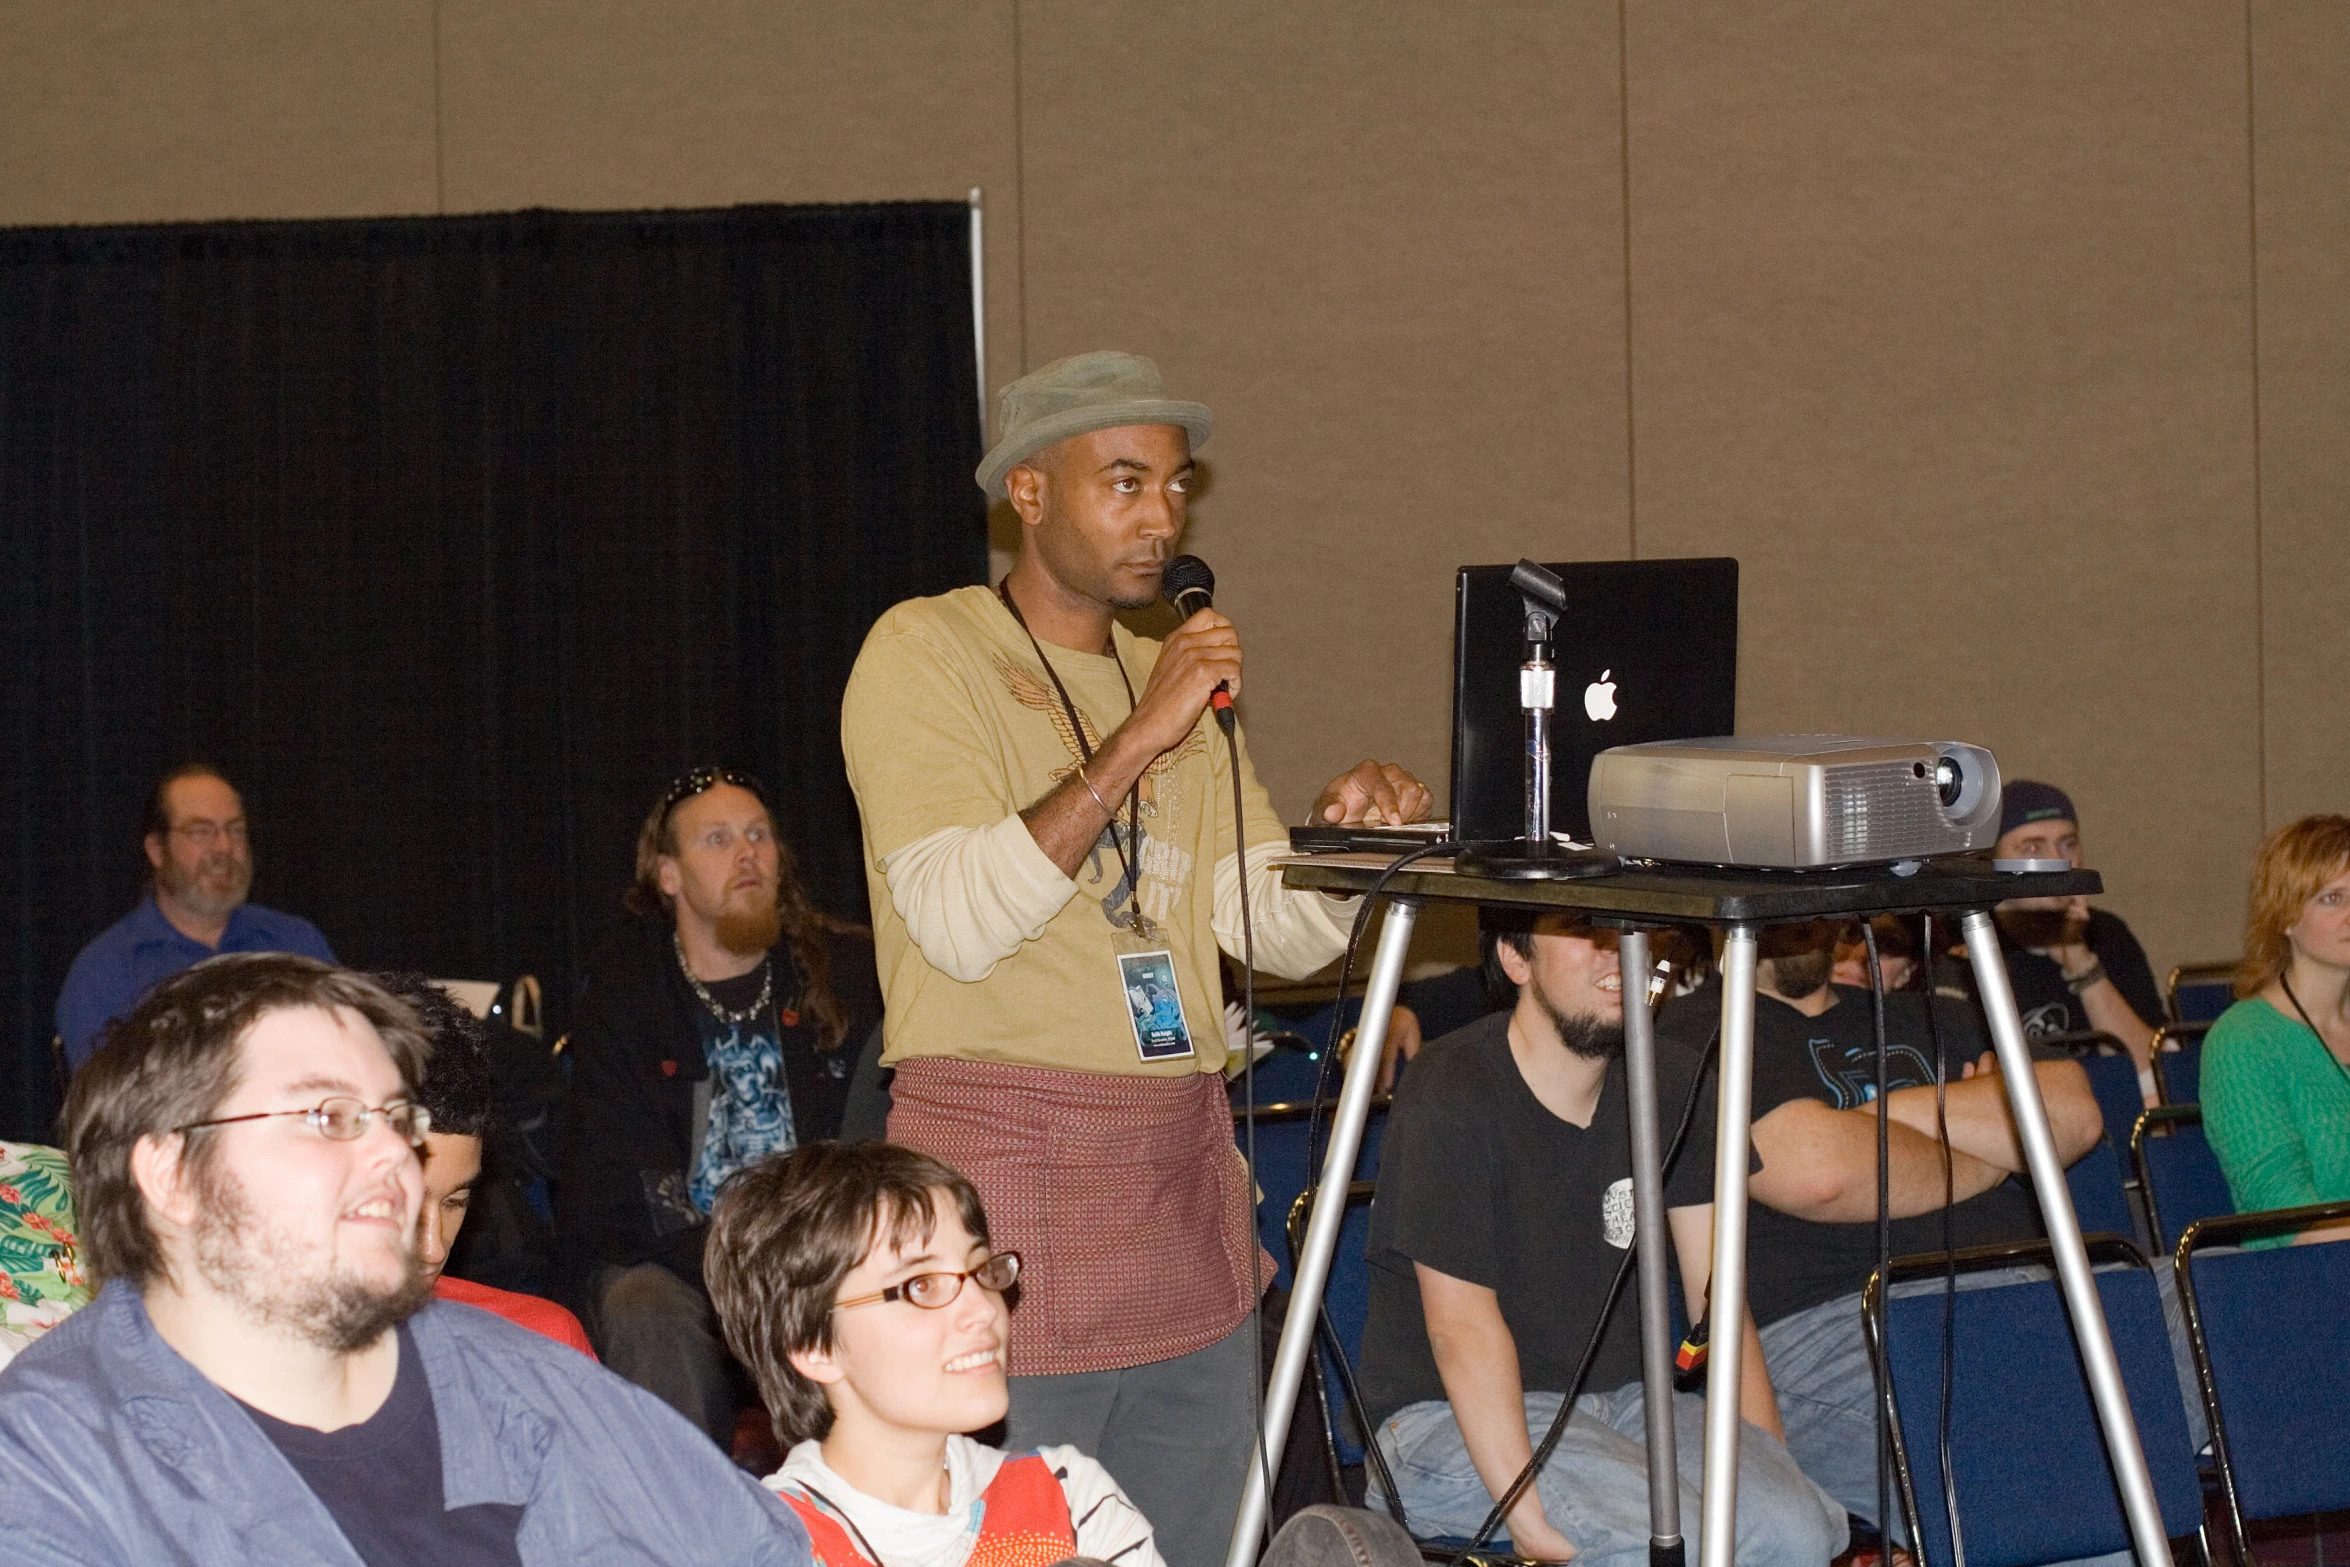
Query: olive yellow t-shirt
(951,727)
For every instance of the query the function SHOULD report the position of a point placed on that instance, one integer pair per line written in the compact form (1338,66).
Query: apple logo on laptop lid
(1599,697)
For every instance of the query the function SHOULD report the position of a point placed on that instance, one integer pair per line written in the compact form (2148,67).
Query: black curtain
(450,540)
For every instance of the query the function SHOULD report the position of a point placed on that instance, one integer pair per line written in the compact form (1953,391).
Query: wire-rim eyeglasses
(344,1119)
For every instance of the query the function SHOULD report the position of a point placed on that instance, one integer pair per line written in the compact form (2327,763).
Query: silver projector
(1794,801)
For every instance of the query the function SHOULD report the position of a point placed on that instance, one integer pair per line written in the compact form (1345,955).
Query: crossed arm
(1821,1163)
(1477,1357)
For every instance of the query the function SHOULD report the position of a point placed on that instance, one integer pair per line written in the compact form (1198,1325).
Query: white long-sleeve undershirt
(972,896)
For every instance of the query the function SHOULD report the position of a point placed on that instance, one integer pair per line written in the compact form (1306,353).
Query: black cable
(1372,1456)
(1354,940)
(1248,1096)
(1949,1269)
(1615,1291)
(1868,936)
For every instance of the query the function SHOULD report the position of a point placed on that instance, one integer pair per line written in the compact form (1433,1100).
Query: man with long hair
(264,1377)
(717,1029)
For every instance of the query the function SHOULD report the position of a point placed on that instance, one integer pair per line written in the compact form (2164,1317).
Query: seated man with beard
(718,1029)
(263,1377)
(201,865)
(1505,1206)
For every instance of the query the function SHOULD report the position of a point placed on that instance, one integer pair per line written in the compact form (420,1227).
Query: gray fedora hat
(1096,391)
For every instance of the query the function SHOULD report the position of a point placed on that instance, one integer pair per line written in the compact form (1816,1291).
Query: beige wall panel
(631,103)
(1384,244)
(155,110)
(1941,324)
(2301,96)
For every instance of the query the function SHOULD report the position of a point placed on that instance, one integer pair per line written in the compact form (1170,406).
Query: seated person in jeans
(857,1283)
(2276,1066)
(456,1094)
(1505,1206)
(264,1376)
(1811,1229)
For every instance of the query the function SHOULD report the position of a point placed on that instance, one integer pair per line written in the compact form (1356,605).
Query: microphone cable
(1248,1100)
(1372,1457)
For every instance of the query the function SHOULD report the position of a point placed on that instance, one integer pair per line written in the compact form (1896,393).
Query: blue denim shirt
(114,1449)
(132,955)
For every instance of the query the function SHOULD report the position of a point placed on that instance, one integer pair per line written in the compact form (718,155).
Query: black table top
(1648,893)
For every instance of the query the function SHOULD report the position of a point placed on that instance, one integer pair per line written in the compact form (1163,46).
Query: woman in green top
(2276,1066)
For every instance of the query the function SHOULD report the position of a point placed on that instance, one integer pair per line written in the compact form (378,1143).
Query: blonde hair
(2294,862)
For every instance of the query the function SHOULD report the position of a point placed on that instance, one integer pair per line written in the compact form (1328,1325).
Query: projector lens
(1948,780)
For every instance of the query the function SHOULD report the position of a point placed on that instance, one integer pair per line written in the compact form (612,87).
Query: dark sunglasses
(703,779)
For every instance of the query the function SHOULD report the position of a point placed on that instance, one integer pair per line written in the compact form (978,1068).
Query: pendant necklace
(1142,925)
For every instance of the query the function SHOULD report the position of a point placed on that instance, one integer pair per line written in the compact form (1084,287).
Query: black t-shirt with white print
(1478,1181)
(1792,1263)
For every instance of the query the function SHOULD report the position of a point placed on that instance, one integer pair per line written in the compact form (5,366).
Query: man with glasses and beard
(263,1377)
(1505,1208)
(719,1028)
(202,864)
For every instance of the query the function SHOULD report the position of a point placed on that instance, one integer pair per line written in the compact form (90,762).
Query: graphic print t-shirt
(1794,1263)
(750,1104)
(1480,1182)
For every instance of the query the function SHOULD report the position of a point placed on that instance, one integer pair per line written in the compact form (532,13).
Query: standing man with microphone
(1051,852)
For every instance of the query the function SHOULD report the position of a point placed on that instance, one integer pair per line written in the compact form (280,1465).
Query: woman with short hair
(2276,1066)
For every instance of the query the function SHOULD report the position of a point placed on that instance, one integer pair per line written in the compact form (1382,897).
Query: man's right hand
(1203,651)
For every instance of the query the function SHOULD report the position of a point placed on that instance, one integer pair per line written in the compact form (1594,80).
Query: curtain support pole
(979,305)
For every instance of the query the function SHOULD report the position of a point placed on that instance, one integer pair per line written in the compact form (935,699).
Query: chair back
(2179,1172)
(2272,1352)
(2200,992)
(2113,1079)
(1289,1072)
(2178,1062)
(1282,1175)
(2028,1459)
(2100,1201)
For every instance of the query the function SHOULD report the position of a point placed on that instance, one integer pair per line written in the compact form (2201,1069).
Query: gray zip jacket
(113,1449)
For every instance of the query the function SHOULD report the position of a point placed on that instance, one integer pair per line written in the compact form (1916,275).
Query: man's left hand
(1373,794)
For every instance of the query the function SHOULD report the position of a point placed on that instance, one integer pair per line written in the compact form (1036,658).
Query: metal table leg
(2064,1234)
(1726,1292)
(1651,1236)
(1313,1264)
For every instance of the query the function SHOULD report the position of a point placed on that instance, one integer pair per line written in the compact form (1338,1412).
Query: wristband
(2077,983)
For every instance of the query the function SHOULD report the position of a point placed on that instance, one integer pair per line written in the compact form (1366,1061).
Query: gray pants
(658,1331)
(1174,1434)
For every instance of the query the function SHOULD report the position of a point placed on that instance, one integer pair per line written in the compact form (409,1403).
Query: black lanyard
(1085,751)
(2311,1024)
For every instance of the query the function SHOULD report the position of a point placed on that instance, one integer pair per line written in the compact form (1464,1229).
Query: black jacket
(635,1056)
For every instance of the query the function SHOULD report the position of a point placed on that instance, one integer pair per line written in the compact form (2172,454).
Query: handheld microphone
(1190,586)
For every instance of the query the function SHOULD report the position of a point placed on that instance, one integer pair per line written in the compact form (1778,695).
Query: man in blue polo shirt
(195,907)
